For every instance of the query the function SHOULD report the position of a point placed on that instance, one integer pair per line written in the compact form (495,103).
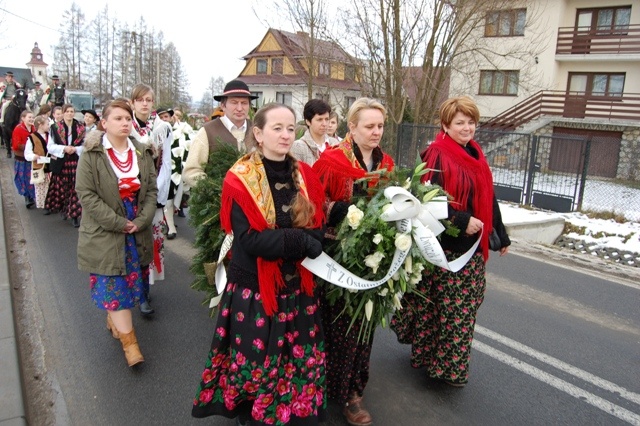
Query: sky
(211,38)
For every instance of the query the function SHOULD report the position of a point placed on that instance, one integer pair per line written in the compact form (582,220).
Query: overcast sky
(211,37)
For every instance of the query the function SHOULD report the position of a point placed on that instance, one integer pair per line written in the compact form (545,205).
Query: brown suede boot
(354,412)
(112,328)
(131,348)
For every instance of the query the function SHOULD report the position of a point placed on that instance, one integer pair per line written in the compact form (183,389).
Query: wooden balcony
(567,105)
(587,40)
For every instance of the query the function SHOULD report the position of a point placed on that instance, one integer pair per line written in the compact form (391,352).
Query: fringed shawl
(338,168)
(247,185)
(466,179)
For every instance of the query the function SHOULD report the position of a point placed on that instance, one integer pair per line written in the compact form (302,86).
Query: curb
(12,411)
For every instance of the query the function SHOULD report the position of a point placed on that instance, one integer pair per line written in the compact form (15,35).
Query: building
(277,70)
(561,67)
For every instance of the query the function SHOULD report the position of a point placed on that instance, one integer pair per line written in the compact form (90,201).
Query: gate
(520,164)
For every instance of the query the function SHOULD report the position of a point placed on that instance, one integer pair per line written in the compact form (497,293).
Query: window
(505,23)
(276,65)
(597,84)
(324,69)
(349,72)
(256,102)
(283,98)
(261,66)
(349,100)
(605,19)
(499,82)
(324,96)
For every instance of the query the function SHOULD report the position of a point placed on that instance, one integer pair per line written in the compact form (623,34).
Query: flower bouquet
(375,247)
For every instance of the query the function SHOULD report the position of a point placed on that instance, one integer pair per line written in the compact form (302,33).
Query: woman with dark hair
(22,177)
(440,328)
(67,138)
(267,356)
(338,168)
(116,184)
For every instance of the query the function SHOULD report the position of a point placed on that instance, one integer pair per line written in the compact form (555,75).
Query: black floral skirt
(62,196)
(440,331)
(271,369)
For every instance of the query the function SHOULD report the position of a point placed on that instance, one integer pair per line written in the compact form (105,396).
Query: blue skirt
(116,292)
(22,179)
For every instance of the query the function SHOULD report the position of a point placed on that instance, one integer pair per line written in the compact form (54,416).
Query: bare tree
(68,53)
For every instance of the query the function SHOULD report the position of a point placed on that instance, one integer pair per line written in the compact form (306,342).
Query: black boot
(76,222)
(29,202)
(145,308)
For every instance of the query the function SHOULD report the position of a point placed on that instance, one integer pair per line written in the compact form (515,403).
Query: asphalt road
(555,344)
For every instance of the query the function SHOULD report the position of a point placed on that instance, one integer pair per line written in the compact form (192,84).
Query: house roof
(21,75)
(413,76)
(297,80)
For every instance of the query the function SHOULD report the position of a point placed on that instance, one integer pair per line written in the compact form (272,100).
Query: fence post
(398,141)
(585,170)
(531,170)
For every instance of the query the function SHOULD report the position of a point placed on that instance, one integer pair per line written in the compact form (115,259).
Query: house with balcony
(562,67)
(283,66)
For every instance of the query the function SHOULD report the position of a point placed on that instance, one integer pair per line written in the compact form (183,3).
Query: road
(555,343)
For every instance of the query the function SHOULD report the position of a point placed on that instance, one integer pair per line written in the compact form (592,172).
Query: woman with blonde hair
(116,184)
(440,328)
(266,361)
(35,149)
(358,154)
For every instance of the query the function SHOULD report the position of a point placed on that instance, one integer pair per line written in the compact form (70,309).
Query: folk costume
(441,331)
(62,195)
(267,355)
(347,359)
(156,134)
(22,175)
(37,145)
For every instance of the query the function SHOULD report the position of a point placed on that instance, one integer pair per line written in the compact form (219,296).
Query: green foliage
(204,216)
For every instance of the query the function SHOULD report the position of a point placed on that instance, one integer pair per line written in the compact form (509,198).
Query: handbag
(37,176)
(494,240)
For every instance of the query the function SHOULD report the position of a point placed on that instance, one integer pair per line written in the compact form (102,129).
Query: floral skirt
(41,191)
(116,292)
(159,229)
(62,196)
(440,331)
(22,178)
(268,368)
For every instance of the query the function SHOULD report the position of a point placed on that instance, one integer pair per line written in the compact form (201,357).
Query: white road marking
(560,365)
(543,376)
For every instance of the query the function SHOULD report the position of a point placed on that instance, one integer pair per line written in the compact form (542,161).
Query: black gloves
(312,247)
(338,213)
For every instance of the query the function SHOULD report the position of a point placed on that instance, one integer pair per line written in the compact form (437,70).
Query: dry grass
(605,215)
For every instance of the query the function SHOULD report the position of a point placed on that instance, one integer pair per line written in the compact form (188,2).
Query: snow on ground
(606,233)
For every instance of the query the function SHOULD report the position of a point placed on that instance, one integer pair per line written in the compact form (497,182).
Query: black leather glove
(313,247)
(338,213)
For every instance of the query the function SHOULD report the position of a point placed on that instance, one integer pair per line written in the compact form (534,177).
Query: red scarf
(338,168)
(251,192)
(467,180)
(61,128)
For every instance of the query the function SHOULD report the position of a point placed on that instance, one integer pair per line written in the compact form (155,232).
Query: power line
(29,20)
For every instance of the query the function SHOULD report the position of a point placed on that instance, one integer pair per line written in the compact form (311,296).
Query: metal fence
(553,172)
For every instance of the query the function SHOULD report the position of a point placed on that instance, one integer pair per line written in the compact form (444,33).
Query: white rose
(383,292)
(403,242)
(418,268)
(396,276)
(377,239)
(354,216)
(415,279)
(408,264)
(373,261)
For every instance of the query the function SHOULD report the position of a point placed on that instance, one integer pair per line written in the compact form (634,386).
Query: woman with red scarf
(22,177)
(266,363)
(116,184)
(357,155)
(66,143)
(440,330)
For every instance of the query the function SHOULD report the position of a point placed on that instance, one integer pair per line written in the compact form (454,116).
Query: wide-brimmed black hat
(37,83)
(92,112)
(9,73)
(163,110)
(55,77)
(236,88)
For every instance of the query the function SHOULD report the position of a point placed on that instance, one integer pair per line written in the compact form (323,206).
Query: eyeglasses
(144,100)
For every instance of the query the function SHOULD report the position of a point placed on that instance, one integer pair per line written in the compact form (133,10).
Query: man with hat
(91,119)
(35,98)
(56,92)
(165,114)
(7,90)
(231,129)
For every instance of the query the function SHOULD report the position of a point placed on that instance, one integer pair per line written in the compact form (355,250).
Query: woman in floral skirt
(116,184)
(338,168)
(22,177)
(266,364)
(440,329)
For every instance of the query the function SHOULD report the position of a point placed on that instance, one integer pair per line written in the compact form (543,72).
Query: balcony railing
(588,40)
(568,105)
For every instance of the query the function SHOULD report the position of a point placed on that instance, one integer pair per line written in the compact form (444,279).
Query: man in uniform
(35,98)
(7,89)
(56,92)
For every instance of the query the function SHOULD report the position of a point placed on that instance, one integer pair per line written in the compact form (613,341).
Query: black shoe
(29,202)
(8,154)
(181,213)
(76,222)
(47,212)
(146,309)
(171,236)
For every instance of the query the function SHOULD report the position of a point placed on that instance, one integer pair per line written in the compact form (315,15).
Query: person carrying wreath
(338,168)
(116,184)
(440,328)
(266,363)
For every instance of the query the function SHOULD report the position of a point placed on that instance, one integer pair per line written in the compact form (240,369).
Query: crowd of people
(280,350)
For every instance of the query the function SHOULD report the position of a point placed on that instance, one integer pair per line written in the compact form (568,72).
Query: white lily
(368,309)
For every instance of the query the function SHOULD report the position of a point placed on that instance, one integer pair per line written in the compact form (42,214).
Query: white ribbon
(221,272)
(410,215)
